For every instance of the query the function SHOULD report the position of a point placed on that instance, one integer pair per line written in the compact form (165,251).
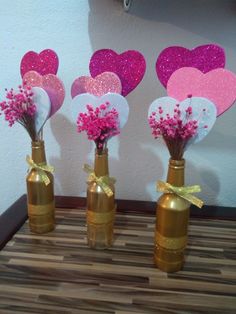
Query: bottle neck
(101,163)
(175,174)
(38,152)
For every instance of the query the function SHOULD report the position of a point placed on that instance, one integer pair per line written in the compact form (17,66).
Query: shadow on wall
(149,27)
(205,18)
(202,17)
(108,29)
(210,185)
(68,164)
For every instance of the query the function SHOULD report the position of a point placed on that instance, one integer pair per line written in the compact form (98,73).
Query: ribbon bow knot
(182,191)
(42,169)
(104,181)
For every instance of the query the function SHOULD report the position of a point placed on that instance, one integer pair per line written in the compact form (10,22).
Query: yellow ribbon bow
(182,191)
(42,169)
(104,181)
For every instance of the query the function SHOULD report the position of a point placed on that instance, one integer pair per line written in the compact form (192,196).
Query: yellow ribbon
(104,181)
(182,191)
(42,169)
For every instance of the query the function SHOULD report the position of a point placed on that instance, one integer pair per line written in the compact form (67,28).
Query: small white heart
(207,117)
(118,102)
(43,107)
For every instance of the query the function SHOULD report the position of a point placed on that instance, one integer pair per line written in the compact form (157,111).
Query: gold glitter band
(40,210)
(171,243)
(100,218)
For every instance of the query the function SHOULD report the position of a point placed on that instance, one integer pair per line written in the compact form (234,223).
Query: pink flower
(99,123)
(176,129)
(18,105)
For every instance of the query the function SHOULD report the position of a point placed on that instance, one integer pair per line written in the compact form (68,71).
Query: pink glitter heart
(204,58)
(130,67)
(52,85)
(104,83)
(218,85)
(46,62)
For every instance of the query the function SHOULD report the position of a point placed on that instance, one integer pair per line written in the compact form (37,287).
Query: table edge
(15,216)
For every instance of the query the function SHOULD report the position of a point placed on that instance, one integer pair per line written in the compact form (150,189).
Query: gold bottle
(100,207)
(40,197)
(172,223)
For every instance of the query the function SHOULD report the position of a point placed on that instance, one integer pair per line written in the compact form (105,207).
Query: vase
(100,207)
(172,223)
(40,196)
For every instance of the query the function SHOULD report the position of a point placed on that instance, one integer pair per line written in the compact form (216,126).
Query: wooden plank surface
(57,273)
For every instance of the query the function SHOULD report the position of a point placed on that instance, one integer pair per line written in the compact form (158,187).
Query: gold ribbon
(104,181)
(42,169)
(182,191)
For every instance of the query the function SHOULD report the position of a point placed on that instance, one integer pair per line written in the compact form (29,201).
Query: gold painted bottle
(40,197)
(172,223)
(100,207)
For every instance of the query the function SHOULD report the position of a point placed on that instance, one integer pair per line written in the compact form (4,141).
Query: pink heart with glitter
(218,85)
(46,62)
(51,84)
(104,83)
(130,67)
(204,58)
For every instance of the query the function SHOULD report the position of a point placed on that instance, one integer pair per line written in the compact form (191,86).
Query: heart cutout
(43,107)
(204,58)
(203,110)
(218,85)
(46,62)
(80,102)
(130,67)
(52,85)
(104,83)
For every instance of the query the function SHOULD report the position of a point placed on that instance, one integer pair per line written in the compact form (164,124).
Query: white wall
(76,28)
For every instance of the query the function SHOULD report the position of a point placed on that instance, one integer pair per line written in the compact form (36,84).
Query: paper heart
(205,58)
(218,85)
(80,102)
(107,82)
(51,83)
(46,62)
(130,67)
(43,107)
(203,110)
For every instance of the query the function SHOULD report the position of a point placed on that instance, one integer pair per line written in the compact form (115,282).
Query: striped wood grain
(58,273)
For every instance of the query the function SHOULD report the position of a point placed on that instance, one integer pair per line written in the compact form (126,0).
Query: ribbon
(182,191)
(104,181)
(42,169)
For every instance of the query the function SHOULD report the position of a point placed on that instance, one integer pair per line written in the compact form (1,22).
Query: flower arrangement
(100,124)
(176,128)
(19,107)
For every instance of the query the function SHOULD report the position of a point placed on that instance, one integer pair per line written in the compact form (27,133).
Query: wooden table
(57,273)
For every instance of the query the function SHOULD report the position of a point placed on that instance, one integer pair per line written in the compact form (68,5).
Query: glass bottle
(172,223)
(40,197)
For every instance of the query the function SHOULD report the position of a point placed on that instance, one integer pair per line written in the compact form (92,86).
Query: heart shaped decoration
(205,58)
(104,83)
(43,107)
(130,67)
(218,85)
(203,110)
(51,83)
(80,102)
(46,62)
